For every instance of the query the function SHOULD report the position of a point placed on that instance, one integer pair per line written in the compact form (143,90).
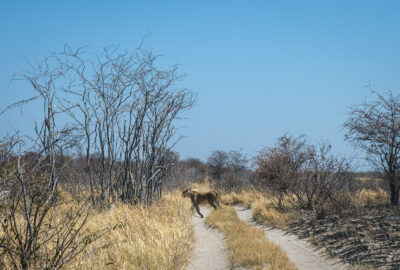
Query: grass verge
(247,245)
(265,208)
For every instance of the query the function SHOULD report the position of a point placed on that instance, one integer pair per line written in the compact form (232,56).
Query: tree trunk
(394,194)
(24,263)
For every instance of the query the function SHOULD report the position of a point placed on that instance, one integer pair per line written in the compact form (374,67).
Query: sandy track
(299,251)
(210,251)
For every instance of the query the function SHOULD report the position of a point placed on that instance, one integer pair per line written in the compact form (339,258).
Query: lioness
(203,197)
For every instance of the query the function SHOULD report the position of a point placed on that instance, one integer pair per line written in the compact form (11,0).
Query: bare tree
(375,128)
(324,178)
(35,234)
(126,108)
(217,163)
(32,235)
(229,169)
(237,160)
(7,144)
(305,175)
(185,172)
(159,134)
(280,167)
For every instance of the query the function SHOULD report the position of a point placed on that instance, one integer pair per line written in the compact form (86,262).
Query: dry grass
(266,211)
(245,197)
(135,237)
(247,245)
(264,208)
(59,231)
(156,237)
(368,198)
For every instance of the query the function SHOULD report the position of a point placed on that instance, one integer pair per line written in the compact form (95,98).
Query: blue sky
(260,68)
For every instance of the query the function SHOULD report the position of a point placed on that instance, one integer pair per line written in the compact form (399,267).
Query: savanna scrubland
(103,189)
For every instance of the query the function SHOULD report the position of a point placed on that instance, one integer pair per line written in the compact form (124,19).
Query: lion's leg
(198,210)
(215,207)
(197,207)
(216,198)
(212,203)
(217,203)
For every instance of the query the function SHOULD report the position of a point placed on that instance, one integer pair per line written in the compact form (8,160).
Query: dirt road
(209,252)
(299,251)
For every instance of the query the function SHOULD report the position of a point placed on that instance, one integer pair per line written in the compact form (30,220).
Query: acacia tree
(374,127)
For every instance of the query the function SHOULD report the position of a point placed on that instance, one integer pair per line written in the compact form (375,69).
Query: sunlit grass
(368,198)
(156,237)
(247,245)
(264,207)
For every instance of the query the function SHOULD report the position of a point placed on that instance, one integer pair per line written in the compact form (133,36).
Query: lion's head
(186,192)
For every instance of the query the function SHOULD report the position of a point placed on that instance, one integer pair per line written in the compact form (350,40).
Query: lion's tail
(220,198)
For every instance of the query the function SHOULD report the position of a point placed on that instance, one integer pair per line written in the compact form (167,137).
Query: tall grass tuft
(368,198)
(157,237)
(265,212)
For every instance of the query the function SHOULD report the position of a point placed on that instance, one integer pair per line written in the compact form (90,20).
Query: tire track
(210,250)
(298,250)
